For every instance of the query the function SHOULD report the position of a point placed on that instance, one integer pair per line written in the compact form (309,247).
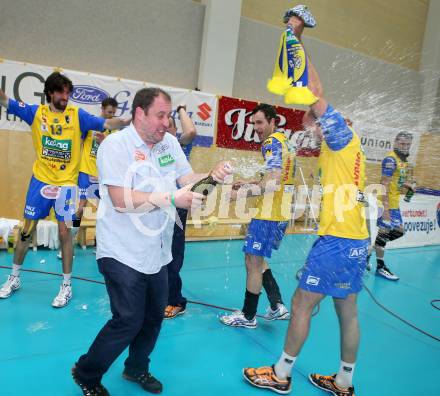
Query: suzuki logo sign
(205,111)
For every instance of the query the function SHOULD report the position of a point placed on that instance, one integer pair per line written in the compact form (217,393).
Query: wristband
(172,200)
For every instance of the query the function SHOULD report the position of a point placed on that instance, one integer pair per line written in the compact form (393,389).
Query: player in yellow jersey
(394,179)
(57,132)
(88,173)
(268,227)
(337,260)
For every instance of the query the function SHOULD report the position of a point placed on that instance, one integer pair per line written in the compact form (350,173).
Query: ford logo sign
(86,94)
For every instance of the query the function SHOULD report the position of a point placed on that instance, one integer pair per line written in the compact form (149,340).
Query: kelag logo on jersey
(63,145)
(86,94)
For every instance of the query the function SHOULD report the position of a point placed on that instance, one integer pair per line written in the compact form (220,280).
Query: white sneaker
(280,313)
(385,272)
(63,297)
(60,255)
(237,319)
(10,286)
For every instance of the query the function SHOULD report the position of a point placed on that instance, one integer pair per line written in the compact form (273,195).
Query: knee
(381,239)
(396,233)
(129,323)
(64,233)
(299,306)
(28,230)
(254,264)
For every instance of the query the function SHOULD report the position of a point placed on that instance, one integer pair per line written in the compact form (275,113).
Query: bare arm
(385,181)
(269,183)
(188,129)
(220,171)
(191,178)
(4,100)
(116,123)
(315,86)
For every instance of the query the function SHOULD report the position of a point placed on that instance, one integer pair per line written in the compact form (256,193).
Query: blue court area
(196,355)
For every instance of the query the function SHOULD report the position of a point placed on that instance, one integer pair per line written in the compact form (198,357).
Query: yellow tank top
(277,206)
(343,181)
(399,177)
(57,143)
(88,156)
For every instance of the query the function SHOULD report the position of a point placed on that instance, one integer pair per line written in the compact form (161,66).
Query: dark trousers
(137,302)
(178,250)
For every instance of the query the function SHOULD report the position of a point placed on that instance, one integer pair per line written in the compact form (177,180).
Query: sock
(344,377)
(250,305)
(380,263)
(271,287)
(66,279)
(16,270)
(284,366)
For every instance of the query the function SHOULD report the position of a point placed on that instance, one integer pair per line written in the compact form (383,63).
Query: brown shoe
(171,311)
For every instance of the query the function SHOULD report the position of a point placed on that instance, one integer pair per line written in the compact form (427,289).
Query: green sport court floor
(196,355)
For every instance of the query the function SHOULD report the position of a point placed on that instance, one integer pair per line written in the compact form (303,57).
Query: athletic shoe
(60,255)
(328,383)
(368,267)
(237,319)
(265,377)
(63,297)
(10,286)
(280,313)
(385,272)
(145,380)
(96,390)
(171,311)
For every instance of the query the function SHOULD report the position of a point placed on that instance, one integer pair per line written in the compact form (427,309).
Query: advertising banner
(421,218)
(235,129)
(25,82)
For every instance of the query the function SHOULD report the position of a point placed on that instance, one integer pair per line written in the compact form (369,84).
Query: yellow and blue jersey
(394,167)
(278,154)
(88,157)
(342,170)
(57,139)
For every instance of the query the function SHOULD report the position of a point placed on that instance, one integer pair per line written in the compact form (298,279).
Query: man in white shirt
(138,170)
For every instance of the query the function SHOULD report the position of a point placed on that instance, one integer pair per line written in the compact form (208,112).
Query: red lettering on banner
(357,168)
(287,168)
(235,130)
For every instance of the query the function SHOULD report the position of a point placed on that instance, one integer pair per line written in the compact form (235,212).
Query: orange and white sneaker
(265,377)
(328,383)
(171,311)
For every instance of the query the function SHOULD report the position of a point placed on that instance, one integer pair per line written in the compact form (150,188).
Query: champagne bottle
(409,194)
(207,185)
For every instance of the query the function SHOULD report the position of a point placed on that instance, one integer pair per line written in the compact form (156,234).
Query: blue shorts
(263,236)
(395,217)
(335,266)
(41,197)
(88,186)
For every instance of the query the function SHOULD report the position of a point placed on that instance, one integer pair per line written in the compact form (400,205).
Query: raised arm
(116,123)
(4,100)
(188,129)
